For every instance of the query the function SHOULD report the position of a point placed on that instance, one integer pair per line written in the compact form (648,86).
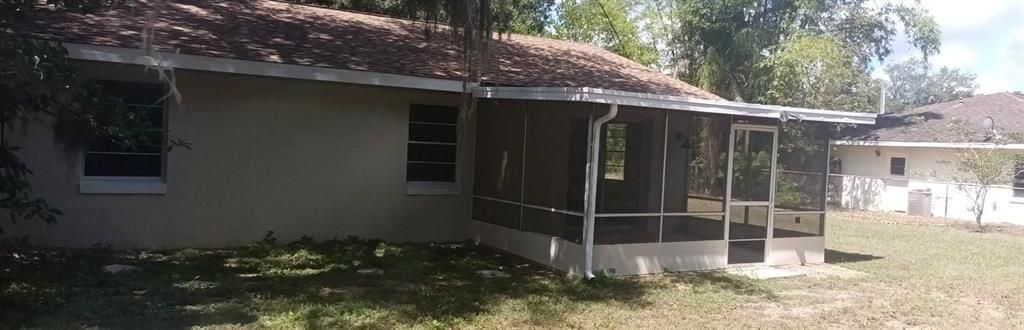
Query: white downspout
(591,190)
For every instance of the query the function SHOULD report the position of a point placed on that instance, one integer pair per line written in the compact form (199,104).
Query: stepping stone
(196,285)
(488,273)
(370,271)
(117,268)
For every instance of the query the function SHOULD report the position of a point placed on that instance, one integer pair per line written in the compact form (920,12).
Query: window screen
(898,166)
(433,143)
(615,152)
(632,169)
(802,167)
(143,159)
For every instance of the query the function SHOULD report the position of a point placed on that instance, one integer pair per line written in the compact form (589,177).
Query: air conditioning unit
(920,202)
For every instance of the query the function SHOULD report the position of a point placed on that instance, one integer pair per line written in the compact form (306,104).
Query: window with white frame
(144,159)
(1018,180)
(898,166)
(433,143)
(615,152)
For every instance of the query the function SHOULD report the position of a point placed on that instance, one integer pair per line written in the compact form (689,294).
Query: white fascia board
(954,145)
(268,69)
(598,95)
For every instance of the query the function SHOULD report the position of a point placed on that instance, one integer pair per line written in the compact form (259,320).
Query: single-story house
(329,123)
(884,164)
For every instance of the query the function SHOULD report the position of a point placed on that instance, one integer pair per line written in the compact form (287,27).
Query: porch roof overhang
(606,96)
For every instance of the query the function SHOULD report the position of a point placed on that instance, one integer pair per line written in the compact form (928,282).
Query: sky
(985,37)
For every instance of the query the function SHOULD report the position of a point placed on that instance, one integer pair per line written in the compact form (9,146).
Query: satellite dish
(988,128)
(988,124)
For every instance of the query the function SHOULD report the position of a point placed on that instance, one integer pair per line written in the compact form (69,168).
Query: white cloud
(989,84)
(1006,72)
(985,37)
(958,14)
(957,55)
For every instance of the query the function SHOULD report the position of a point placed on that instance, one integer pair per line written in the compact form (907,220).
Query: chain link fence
(923,198)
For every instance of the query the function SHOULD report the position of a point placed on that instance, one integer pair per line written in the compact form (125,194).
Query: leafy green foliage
(762,50)
(915,84)
(39,84)
(980,165)
(608,24)
(813,71)
(510,16)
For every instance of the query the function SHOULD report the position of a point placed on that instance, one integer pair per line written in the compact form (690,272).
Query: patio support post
(593,161)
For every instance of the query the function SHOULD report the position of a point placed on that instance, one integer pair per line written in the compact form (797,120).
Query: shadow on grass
(720,281)
(840,257)
(304,284)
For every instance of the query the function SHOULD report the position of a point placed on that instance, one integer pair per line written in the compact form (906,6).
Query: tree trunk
(979,207)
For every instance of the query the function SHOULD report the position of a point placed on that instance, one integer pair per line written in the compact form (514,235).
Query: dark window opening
(898,166)
(145,157)
(433,143)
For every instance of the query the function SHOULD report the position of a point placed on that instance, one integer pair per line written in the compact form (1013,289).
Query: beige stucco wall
(296,157)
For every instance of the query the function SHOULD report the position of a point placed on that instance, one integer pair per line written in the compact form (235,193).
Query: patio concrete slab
(809,270)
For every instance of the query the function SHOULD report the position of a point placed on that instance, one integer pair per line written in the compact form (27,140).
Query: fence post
(945,206)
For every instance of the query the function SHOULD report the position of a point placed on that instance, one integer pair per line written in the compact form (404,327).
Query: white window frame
(135,185)
(435,188)
(906,165)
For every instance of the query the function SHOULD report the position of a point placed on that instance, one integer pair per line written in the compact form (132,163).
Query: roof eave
(916,144)
(577,94)
(268,69)
(606,96)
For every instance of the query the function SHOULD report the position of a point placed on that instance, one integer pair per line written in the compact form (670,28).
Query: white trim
(957,145)
(122,185)
(625,215)
(769,204)
(664,164)
(281,70)
(590,208)
(607,96)
(799,212)
(771,195)
(694,214)
(727,201)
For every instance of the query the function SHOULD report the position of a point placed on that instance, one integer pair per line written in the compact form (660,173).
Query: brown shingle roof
(272,31)
(927,123)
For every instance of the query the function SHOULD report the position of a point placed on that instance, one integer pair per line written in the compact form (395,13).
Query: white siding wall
(867,184)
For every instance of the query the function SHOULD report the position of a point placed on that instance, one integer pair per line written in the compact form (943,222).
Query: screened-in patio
(674,189)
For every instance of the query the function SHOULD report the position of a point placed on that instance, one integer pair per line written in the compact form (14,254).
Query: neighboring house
(912,150)
(310,121)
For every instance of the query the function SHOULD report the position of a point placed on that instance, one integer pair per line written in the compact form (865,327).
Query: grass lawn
(917,274)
